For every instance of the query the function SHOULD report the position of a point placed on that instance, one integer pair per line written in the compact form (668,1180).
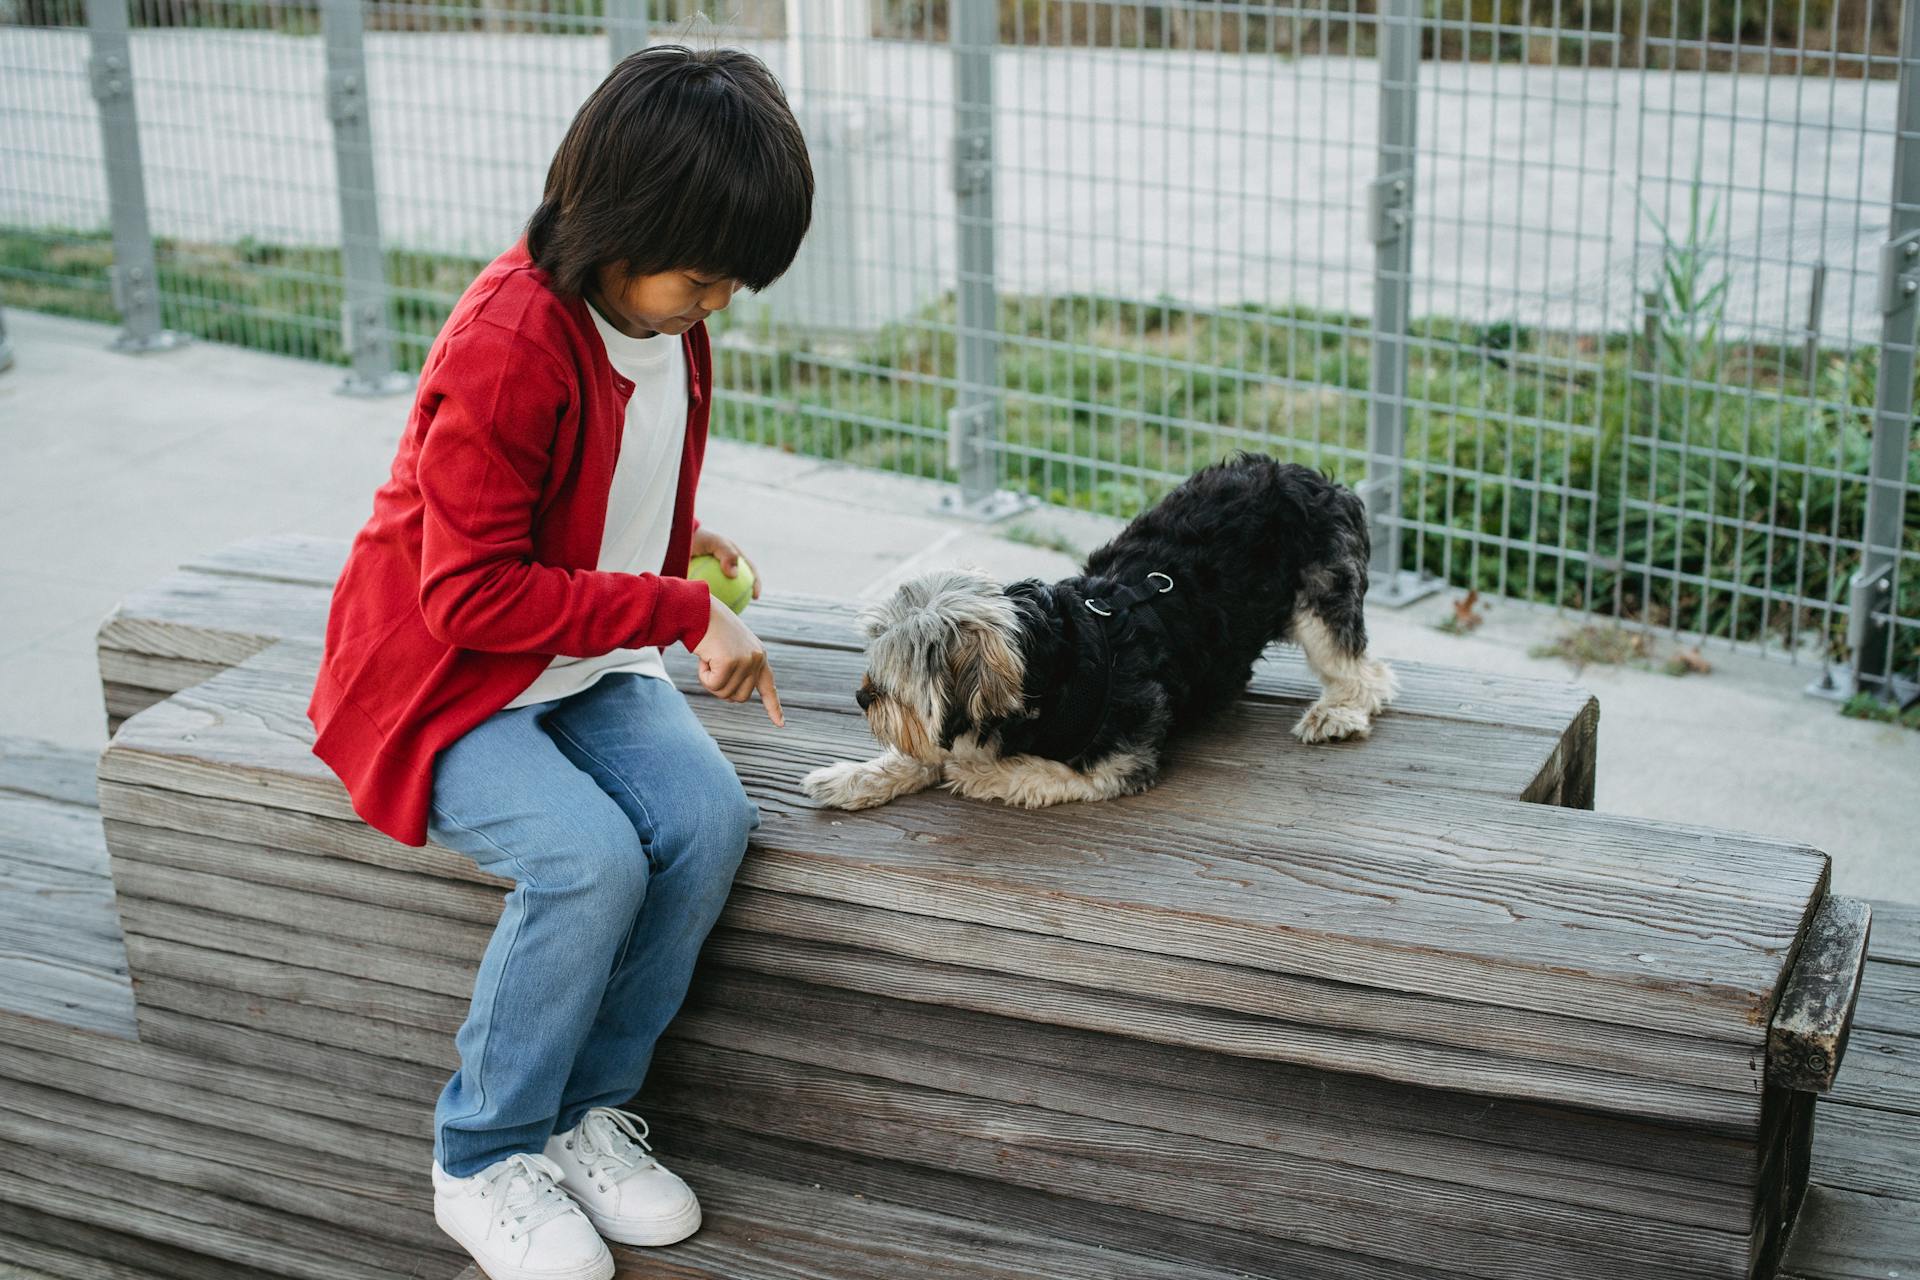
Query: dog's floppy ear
(989,673)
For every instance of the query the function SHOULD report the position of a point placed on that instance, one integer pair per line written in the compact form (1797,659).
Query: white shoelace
(525,1193)
(612,1144)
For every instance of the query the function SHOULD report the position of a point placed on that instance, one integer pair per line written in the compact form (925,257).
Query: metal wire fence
(1603,305)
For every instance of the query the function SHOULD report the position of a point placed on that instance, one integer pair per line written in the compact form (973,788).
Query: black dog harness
(1079,714)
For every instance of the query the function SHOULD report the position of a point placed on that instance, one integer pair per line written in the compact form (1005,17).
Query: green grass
(1693,495)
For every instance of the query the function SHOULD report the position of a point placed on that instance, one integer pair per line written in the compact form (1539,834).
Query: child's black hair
(678,160)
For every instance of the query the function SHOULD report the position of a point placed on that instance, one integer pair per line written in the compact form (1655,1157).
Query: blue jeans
(621,825)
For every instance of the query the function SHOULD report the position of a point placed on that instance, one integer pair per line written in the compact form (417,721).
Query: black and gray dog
(1036,693)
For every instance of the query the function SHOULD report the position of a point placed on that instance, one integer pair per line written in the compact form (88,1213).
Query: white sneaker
(610,1172)
(517,1223)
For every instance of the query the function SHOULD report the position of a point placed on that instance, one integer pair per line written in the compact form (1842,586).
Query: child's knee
(710,829)
(602,867)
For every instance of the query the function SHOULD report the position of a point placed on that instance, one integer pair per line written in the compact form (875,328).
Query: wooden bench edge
(1808,1035)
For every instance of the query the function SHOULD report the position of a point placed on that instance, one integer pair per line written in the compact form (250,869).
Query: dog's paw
(1329,722)
(849,784)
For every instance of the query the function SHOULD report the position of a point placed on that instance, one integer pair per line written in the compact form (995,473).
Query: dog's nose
(863,696)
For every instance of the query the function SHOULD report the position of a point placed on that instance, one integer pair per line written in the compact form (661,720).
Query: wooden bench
(1356,1010)
(63,1079)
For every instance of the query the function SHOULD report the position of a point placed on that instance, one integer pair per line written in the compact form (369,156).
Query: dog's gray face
(946,640)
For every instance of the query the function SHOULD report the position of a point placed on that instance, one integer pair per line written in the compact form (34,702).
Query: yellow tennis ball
(733,592)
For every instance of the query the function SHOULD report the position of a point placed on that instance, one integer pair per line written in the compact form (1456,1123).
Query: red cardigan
(477,565)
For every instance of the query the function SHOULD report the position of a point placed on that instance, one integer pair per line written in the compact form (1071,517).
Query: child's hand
(728,552)
(733,662)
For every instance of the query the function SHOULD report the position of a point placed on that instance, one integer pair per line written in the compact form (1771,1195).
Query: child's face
(669,302)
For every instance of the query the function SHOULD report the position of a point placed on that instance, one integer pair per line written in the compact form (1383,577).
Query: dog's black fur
(1247,542)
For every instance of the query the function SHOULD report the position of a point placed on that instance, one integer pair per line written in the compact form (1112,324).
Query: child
(492,675)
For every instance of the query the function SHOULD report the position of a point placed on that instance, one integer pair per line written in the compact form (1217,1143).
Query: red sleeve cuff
(689,607)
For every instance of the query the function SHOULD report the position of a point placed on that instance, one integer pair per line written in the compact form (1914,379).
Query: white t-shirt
(646,478)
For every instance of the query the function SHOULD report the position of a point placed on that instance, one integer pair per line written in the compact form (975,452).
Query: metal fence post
(1871,604)
(1390,225)
(6,347)
(364,328)
(626,28)
(973,424)
(133,278)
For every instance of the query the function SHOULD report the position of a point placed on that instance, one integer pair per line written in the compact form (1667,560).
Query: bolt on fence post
(973,425)
(1390,223)
(1871,606)
(133,279)
(364,330)
(626,28)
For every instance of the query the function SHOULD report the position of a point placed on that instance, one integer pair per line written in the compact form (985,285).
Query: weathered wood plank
(1881,1070)
(60,950)
(315,910)
(368,1076)
(1482,1234)
(1873,1152)
(40,770)
(685,1136)
(331,1110)
(282,1016)
(278,1244)
(1428,1133)
(304,872)
(1844,1235)
(78,995)
(372,1204)
(287,833)
(141,874)
(1809,1030)
(1889,998)
(1896,933)
(1704,935)
(755,1227)
(1177,980)
(1036,1000)
(71,1250)
(281,943)
(406,1015)
(38,831)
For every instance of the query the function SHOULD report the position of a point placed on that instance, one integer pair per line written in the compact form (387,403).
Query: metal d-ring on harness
(1131,596)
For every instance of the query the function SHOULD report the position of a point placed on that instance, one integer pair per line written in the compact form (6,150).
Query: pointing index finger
(771,697)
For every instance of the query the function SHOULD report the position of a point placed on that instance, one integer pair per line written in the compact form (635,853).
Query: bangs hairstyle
(679,160)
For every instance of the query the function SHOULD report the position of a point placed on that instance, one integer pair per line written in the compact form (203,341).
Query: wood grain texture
(1482,1234)
(1180,981)
(1896,933)
(1660,1172)
(43,770)
(949,1191)
(40,1050)
(1845,1235)
(1808,1034)
(274,1243)
(1889,998)
(755,1226)
(370,1203)
(1633,924)
(72,1250)
(61,956)
(1881,1070)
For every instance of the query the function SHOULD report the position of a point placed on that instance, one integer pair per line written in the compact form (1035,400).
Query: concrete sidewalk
(114,469)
